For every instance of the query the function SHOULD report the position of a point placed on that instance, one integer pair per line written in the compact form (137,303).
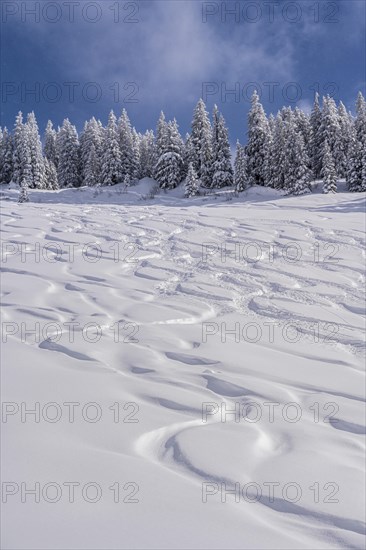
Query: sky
(79,59)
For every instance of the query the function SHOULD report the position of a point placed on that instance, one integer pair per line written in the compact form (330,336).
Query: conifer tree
(147,155)
(191,187)
(221,156)
(329,128)
(169,168)
(126,145)
(241,176)
(36,156)
(50,148)
(23,193)
(315,138)
(50,175)
(6,157)
(135,174)
(112,158)
(201,144)
(92,168)
(68,169)
(329,174)
(92,136)
(343,140)
(297,176)
(355,179)
(20,149)
(257,142)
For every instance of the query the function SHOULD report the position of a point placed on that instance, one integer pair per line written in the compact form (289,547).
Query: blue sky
(159,54)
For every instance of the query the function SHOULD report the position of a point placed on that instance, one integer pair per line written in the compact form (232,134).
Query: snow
(185,270)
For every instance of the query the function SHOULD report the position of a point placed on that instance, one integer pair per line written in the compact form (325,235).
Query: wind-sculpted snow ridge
(213,354)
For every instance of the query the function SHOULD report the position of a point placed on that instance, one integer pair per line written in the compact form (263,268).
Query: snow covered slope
(195,368)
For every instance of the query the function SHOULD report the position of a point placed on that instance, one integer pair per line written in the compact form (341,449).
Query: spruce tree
(221,166)
(147,155)
(135,174)
(68,169)
(35,148)
(169,168)
(20,150)
(303,126)
(240,169)
(329,128)
(50,148)
(112,159)
(23,193)
(360,127)
(92,136)
(201,143)
(127,181)
(275,161)
(356,182)
(257,142)
(50,175)
(297,176)
(329,173)
(191,188)
(92,168)
(343,141)
(315,145)
(126,145)
(6,157)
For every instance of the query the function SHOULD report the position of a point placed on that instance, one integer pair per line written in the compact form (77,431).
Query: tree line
(287,151)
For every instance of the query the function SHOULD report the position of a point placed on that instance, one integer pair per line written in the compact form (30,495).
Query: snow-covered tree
(169,168)
(92,167)
(36,156)
(297,176)
(111,160)
(240,169)
(127,181)
(192,184)
(360,127)
(315,145)
(68,169)
(275,160)
(188,153)
(51,181)
(343,140)
(201,144)
(257,142)
(50,148)
(20,150)
(147,155)
(221,155)
(135,174)
(271,124)
(360,122)
(355,174)
(329,173)
(23,193)
(329,128)
(6,157)
(92,135)
(126,145)
(303,126)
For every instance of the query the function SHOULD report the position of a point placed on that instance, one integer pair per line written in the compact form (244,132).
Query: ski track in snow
(167,290)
